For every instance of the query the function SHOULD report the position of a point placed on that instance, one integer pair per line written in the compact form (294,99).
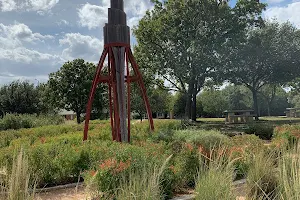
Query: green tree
(44,106)
(295,85)
(264,55)
(295,101)
(179,40)
(268,93)
(19,97)
(70,86)
(237,97)
(213,102)
(160,100)
(179,104)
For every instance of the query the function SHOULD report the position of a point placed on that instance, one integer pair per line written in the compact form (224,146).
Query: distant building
(292,112)
(68,115)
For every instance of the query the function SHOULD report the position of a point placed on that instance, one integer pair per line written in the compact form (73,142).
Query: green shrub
(242,147)
(263,131)
(187,145)
(186,164)
(287,135)
(12,121)
(121,161)
(203,138)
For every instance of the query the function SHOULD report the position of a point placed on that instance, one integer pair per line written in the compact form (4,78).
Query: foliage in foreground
(215,180)
(15,184)
(140,183)
(56,155)
(289,175)
(261,178)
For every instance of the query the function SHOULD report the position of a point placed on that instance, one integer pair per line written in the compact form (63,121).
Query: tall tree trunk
(194,103)
(188,103)
(255,104)
(78,117)
(269,109)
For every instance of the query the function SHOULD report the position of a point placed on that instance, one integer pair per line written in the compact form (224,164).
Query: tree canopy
(264,55)
(179,40)
(19,97)
(70,86)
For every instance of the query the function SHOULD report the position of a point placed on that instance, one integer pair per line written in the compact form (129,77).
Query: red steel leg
(113,93)
(92,94)
(128,94)
(142,87)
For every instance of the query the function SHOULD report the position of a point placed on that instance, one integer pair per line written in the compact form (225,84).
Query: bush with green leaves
(122,160)
(14,121)
(287,135)
(187,145)
(263,131)
(205,139)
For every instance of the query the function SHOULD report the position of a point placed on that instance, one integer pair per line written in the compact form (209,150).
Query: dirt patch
(64,194)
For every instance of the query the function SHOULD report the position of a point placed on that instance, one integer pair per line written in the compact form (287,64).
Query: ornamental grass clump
(289,174)
(122,181)
(15,185)
(142,184)
(215,178)
(262,179)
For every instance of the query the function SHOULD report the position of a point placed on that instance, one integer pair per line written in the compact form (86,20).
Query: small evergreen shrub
(263,131)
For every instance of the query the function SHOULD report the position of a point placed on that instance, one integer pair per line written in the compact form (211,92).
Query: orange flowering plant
(287,134)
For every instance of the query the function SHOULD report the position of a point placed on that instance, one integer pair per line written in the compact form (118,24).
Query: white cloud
(92,16)
(81,46)
(12,38)
(21,32)
(22,54)
(137,8)
(286,13)
(134,21)
(7,5)
(26,53)
(40,6)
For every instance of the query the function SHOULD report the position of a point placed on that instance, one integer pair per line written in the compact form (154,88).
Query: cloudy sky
(38,36)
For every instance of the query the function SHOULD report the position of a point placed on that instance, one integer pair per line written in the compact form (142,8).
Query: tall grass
(289,175)
(262,177)
(215,178)
(15,184)
(139,184)
(143,184)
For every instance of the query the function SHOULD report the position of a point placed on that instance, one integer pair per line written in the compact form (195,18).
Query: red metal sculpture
(122,70)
